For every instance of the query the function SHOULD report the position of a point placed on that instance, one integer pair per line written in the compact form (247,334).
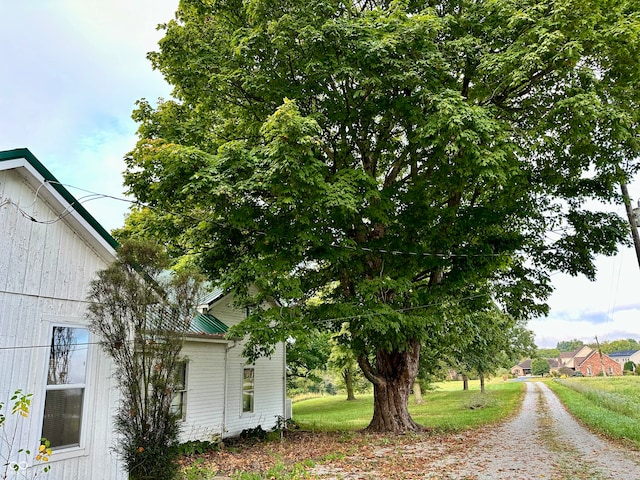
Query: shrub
(256,433)
(16,460)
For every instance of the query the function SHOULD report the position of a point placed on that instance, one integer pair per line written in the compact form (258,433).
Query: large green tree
(413,161)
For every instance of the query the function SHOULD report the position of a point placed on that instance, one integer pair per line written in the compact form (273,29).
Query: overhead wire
(92,195)
(316,321)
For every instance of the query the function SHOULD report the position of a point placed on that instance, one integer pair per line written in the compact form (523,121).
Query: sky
(71,72)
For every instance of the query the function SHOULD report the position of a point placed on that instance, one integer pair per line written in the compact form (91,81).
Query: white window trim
(184,391)
(72,451)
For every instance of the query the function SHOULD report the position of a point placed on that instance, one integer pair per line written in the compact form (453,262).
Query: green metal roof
(19,153)
(207,324)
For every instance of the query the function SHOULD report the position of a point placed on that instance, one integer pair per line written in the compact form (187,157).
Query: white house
(224,394)
(50,249)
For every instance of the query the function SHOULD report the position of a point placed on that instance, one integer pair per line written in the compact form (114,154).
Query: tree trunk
(347,375)
(417,394)
(465,382)
(482,383)
(392,378)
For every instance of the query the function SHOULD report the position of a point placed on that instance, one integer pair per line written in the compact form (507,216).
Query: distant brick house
(524,367)
(584,360)
(593,364)
(589,362)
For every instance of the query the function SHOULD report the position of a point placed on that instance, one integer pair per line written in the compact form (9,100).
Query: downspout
(284,383)
(226,380)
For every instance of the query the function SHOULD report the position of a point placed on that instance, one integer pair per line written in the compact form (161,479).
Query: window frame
(182,393)
(248,391)
(74,449)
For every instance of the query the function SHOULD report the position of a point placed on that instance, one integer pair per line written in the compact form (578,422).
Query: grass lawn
(449,409)
(609,405)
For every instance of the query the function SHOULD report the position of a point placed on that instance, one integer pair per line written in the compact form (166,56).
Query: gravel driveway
(542,442)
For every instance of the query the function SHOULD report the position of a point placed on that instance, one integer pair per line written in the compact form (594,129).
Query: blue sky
(71,73)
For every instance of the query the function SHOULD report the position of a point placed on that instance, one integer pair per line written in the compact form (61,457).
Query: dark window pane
(68,356)
(62,417)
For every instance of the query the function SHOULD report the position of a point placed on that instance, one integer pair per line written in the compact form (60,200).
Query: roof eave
(24,159)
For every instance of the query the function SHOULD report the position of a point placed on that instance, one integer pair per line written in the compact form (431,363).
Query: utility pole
(632,219)
(604,373)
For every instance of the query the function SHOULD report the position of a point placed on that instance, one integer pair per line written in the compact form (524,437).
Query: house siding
(205,390)
(268,392)
(46,271)
(210,369)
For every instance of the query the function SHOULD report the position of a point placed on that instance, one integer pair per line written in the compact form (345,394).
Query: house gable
(46,187)
(592,365)
(50,251)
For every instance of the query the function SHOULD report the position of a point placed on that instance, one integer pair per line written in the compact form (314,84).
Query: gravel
(542,442)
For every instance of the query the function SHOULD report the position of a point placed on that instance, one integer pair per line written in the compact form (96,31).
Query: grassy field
(608,405)
(448,408)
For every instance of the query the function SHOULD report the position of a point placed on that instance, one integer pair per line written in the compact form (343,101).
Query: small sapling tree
(539,366)
(14,460)
(140,314)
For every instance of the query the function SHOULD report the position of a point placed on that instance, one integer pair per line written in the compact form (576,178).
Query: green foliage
(539,366)
(404,160)
(277,472)
(618,345)
(547,353)
(254,433)
(16,462)
(569,345)
(140,314)
(497,340)
(196,447)
(629,366)
(307,356)
(197,471)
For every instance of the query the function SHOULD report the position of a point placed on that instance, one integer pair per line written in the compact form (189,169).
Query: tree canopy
(410,161)
(540,366)
(569,345)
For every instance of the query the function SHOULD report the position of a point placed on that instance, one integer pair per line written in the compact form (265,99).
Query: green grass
(609,405)
(447,410)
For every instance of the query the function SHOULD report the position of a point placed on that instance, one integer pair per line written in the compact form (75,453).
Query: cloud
(77,69)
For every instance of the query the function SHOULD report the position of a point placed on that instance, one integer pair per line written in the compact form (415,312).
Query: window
(589,371)
(64,396)
(179,403)
(247,390)
(610,370)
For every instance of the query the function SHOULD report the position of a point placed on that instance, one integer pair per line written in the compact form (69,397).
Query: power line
(92,195)
(326,320)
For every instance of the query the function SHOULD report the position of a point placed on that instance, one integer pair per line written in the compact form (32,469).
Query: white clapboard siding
(269,387)
(205,390)
(45,271)
(269,391)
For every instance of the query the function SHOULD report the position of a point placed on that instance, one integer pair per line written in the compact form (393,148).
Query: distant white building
(624,356)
